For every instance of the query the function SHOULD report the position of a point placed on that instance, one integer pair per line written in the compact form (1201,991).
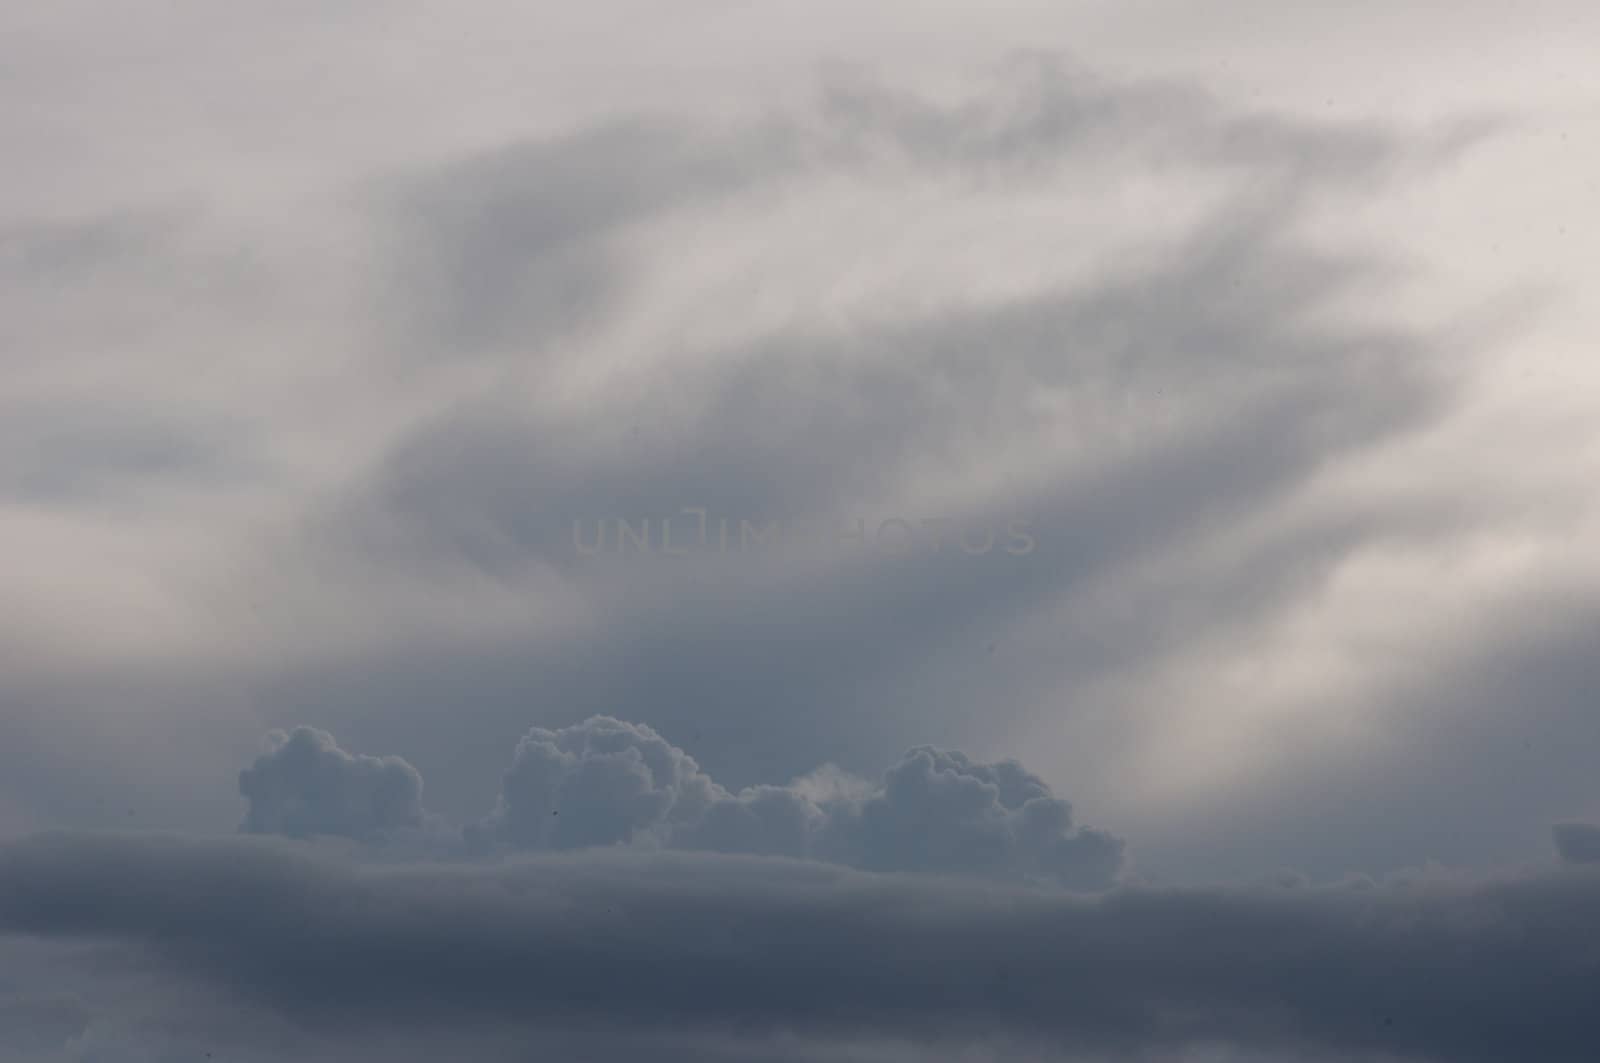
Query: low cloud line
(1434,967)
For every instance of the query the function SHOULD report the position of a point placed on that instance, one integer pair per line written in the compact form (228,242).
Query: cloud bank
(1432,968)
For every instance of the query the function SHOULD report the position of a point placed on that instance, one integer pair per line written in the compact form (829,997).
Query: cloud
(1043,107)
(77,455)
(940,811)
(607,782)
(601,782)
(1578,843)
(305,785)
(518,244)
(512,245)
(696,942)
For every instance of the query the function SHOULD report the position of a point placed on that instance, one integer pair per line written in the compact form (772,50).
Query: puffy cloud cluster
(608,782)
(601,782)
(305,785)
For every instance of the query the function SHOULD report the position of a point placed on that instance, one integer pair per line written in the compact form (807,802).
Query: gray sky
(1181,420)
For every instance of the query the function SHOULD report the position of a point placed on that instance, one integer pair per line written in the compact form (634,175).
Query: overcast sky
(986,531)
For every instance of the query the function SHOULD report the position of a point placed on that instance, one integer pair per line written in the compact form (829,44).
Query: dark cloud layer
(1434,968)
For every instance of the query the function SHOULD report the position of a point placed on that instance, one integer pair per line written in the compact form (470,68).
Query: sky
(980,532)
